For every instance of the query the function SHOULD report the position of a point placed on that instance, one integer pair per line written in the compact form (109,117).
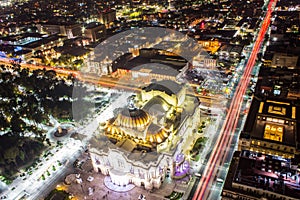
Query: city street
(156,100)
(227,133)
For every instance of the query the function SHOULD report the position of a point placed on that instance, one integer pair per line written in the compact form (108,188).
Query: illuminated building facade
(271,128)
(143,142)
(70,30)
(253,176)
(95,31)
(211,46)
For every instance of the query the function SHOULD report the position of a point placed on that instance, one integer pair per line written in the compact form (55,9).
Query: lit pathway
(34,185)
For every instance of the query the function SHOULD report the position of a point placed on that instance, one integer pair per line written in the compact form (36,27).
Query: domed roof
(132,118)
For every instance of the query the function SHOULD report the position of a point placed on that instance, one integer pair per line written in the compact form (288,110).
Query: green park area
(198,146)
(175,195)
(29,98)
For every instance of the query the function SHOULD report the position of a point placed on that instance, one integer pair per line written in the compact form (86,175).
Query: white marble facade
(123,171)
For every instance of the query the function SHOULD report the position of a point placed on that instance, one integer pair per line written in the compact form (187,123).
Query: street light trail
(231,121)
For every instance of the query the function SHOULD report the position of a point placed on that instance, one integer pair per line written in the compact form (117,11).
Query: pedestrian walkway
(101,191)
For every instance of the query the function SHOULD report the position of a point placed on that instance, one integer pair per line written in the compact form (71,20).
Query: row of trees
(28,99)
(65,60)
(32,96)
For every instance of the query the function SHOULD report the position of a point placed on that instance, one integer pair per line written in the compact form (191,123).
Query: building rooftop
(101,145)
(262,172)
(169,87)
(277,82)
(13,38)
(43,40)
(155,64)
(159,105)
(268,118)
(93,25)
(127,145)
(74,51)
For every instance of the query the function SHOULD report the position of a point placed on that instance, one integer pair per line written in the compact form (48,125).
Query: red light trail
(231,121)
(227,131)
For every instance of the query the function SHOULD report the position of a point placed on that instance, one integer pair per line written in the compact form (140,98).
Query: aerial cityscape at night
(149,99)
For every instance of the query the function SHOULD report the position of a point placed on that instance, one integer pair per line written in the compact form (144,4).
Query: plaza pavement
(81,191)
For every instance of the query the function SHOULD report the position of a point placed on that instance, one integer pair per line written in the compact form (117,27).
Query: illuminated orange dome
(132,118)
(156,134)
